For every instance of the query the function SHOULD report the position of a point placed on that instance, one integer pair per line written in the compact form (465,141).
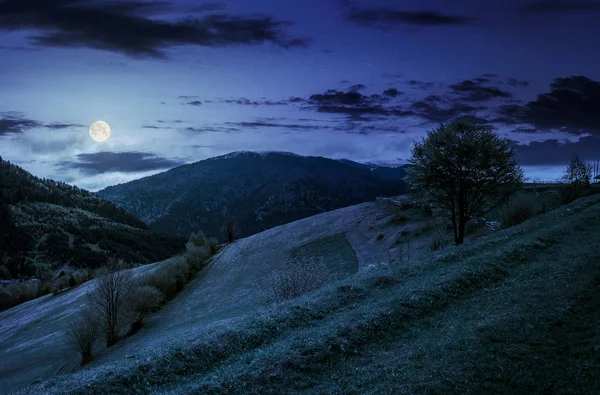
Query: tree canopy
(465,169)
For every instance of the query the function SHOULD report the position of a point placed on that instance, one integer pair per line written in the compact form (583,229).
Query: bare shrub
(144,301)
(110,296)
(297,277)
(213,244)
(519,209)
(83,332)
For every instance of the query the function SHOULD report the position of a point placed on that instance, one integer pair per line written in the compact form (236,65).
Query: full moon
(100,131)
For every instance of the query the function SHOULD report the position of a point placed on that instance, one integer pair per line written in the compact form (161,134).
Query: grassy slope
(516,311)
(32,340)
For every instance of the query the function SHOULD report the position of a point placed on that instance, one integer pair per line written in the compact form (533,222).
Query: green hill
(514,312)
(45,224)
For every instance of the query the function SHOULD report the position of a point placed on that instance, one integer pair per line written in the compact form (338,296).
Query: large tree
(465,169)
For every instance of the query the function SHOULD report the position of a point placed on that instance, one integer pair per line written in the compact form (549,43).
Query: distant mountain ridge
(260,189)
(45,224)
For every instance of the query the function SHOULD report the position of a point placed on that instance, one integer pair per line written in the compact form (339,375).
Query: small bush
(570,192)
(213,244)
(297,277)
(196,256)
(83,332)
(519,209)
(170,278)
(198,239)
(144,301)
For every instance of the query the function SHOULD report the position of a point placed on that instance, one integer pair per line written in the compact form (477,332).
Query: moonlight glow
(100,131)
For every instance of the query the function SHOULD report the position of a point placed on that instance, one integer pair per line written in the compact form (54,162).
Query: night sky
(180,81)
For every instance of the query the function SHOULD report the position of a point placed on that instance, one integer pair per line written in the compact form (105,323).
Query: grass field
(514,312)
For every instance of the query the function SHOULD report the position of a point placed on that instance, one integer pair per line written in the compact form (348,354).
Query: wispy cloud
(126,162)
(388,17)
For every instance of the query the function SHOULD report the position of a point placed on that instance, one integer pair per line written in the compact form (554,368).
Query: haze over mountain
(260,190)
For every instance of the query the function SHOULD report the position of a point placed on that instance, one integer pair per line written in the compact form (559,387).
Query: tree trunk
(86,356)
(462,219)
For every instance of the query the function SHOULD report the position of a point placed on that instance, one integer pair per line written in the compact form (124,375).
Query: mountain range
(260,190)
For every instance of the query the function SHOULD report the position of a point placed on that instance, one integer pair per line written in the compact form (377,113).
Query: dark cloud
(15,123)
(386,17)
(432,110)
(195,103)
(553,152)
(573,104)
(473,119)
(559,6)
(354,103)
(57,126)
(266,124)
(296,100)
(392,92)
(246,102)
(420,84)
(156,127)
(211,129)
(515,82)
(357,87)
(128,162)
(130,27)
(474,90)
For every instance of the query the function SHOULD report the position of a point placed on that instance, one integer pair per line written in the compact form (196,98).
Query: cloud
(265,124)
(195,103)
(357,87)
(211,129)
(12,123)
(554,152)
(558,7)
(572,104)
(355,104)
(517,83)
(125,162)
(392,92)
(129,26)
(246,102)
(58,126)
(386,17)
(474,90)
(432,110)
(423,85)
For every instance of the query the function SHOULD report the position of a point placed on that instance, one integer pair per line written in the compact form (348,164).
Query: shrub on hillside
(297,277)
(518,210)
(198,239)
(144,301)
(197,256)
(83,332)
(170,277)
(213,244)
(109,298)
